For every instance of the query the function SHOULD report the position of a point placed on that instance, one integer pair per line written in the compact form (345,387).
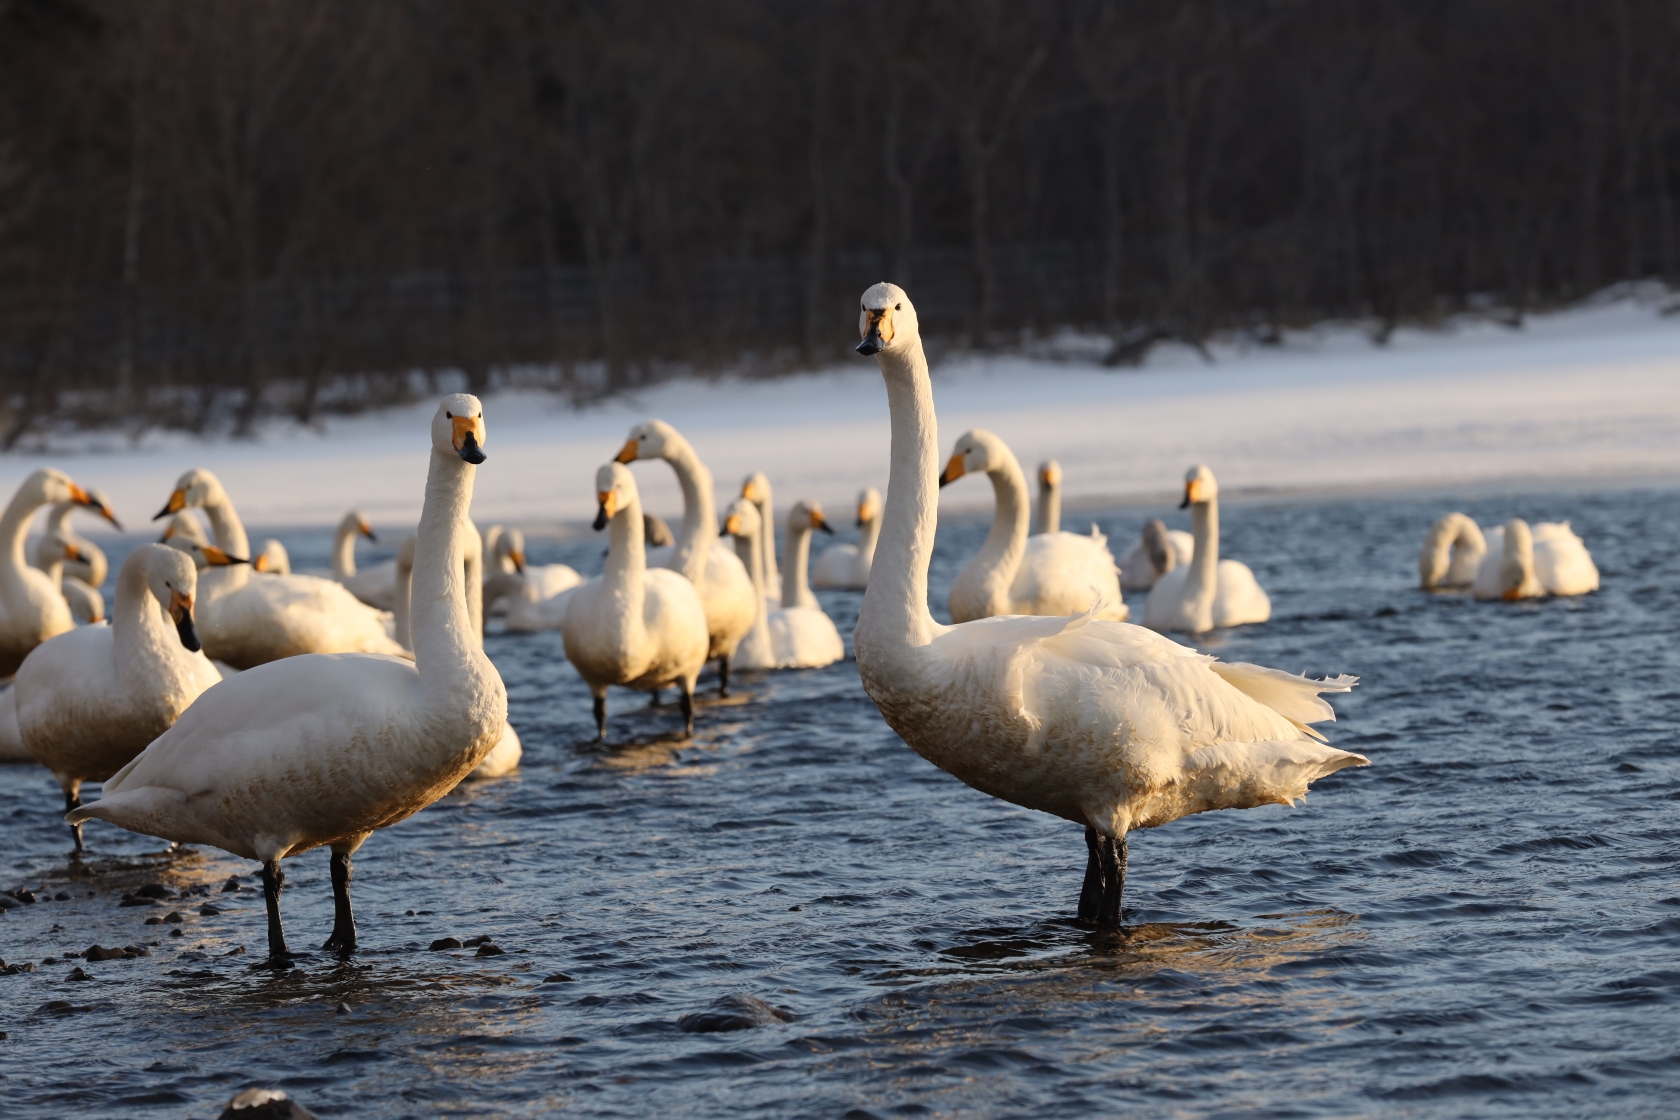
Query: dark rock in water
(445,943)
(57,1007)
(265,1104)
(154,920)
(475,942)
(22,894)
(559,978)
(734,1013)
(236,951)
(78,974)
(208,910)
(132,951)
(490,950)
(61,897)
(8,902)
(342,1008)
(100,953)
(14,969)
(154,890)
(136,900)
(174,918)
(177,932)
(231,885)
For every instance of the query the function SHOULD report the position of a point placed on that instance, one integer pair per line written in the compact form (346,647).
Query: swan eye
(447,415)
(898,307)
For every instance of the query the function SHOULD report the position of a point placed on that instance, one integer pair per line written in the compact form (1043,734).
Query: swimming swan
(1525,563)
(1159,550)
(321,750)
(1047,515)
(846,566)
(1101,723)
(32,605)
(788,636)
(755,488)
(634,626)
(1207,593)
(538,583)
(1452,552)
(90,700)
(1050,574)
(709,565)
(272,559)
(376,585)
(245,620)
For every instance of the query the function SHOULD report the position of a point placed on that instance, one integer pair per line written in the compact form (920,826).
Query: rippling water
(1484,922)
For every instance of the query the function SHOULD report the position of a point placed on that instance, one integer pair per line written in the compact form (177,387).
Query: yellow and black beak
(181,611)
(609,506)
(877,333)
(731,526)
(220,559)
(260,564)
(468,437)
(1192,493)
(518,559)
(630,452)
(953,471)
(177,502)
(367,531)
(818,521)
(863,516)
(71,552)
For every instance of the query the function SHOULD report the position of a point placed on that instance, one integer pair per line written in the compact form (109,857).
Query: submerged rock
(445,943)
(734,1013)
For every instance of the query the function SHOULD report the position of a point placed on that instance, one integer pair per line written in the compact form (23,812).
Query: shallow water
(1485,922)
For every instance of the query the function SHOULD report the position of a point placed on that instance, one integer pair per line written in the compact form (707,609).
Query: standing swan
(1052,573)
(90,700)
(32,606)
(324,749)
(846,566)
(1451,553)
(1525,563)
(635,626)
(1208,592)
(1107,725)
(1047,517)
(375,586)
(791,635)
(725,590)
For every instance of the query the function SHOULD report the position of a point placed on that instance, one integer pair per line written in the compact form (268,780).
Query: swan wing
(1486,585)
(804,638)
(1296,698)
(1238,597)
(834,567)
(1561,560)
(1136,572)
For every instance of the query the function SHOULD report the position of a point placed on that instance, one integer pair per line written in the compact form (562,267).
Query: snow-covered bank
(1587,393)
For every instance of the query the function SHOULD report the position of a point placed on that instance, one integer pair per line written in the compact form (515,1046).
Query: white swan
(1525,563)
(322,750)
(755,488)
(635,626)
(725,590)
(788,636)
(1207,593)
(83,576)
(540,582)
(1452,552)
(1050,574)
(32,606)
(1159,550)
(87,606)
(376,585)
(1047,515)
(847,565)
(272,559)
(1102,723)
(248,621)
(90,700)
(525,609)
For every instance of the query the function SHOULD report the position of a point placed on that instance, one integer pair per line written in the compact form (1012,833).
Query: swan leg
(1105,879)
(343,939)
(653,699)
(273,880)
(685,698)
(601,716)
(73,800)
(723,674)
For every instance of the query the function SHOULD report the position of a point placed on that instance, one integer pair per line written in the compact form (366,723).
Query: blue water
(1485,922)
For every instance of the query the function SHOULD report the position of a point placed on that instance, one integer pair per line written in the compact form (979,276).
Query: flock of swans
(233,703)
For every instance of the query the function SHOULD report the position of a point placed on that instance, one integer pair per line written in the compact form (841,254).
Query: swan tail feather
(1243,775)
(1296,698)
(129,808)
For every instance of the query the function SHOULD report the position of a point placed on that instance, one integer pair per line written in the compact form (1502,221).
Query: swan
(84,574)
(1104,724)
(324,749)
(90,700)
(789,635)
(247,621)
(1047,517)
(725,590)
(376,586)
(1050,574)
(655,533)
(1159,550)
(87,606)
(755,488)
(847,565)
(635,626)
(524,608)
(541,582)
(1525,563)
(1451,553)
(32,605)
(1208,592)
(272,559)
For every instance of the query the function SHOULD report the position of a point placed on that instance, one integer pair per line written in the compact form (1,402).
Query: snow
(1590,393)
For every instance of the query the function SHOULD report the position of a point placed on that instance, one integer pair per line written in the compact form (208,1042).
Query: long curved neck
(402,628)
(1001,555)
(626,568)
(14,526)
(699,514)
(442,630)
(140,631)
(98,565)
(767,538)
(895,610)
(868,534)
(750,550)
(1204,567)
(795,588)
(229,530)
(1049,517)
(344,550)
(58,519)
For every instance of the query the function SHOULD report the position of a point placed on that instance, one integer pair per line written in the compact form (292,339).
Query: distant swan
(791,635)
(755,488)
(1208,593)
(1524,563)
(87,606)
(1050,574)
(272,559)
(847,565)
(1101,723)
(32,605)
(1159,550)
(1452,552)
(375,585)
(83,576)
(1047,516)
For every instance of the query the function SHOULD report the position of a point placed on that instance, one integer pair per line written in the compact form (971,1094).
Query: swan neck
(750,551)
(98,566)
(867,536)
(229,530)
(438,616)
(402,628)
(139,626)
(895,610)
(1204,525)
(767,537)
(699,525)
(344,551)
(1049,517)
(627,561)
(796,589)
(14,526)
(1000,556)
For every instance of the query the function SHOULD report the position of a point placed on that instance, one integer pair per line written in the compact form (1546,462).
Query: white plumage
(788,635)
(1208,593)
(1526,563)
(845,566)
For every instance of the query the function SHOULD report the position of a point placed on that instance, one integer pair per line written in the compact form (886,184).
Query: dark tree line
(213,210)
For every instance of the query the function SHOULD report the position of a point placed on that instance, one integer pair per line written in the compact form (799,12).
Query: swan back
(1452,552)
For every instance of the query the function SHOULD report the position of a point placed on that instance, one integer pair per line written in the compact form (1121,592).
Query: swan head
(510,546)
(1049,474)
(1516,568)
(741,520)
(868,506)
(615,490)
(182,529)
(63,546)
(755,488)
(1199,486)
(886,321)
(102,506)
(52,487)
(651,439)
(975,452)
(172,578)
(356,522)
(458,428)
(195,489)
(807,515)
